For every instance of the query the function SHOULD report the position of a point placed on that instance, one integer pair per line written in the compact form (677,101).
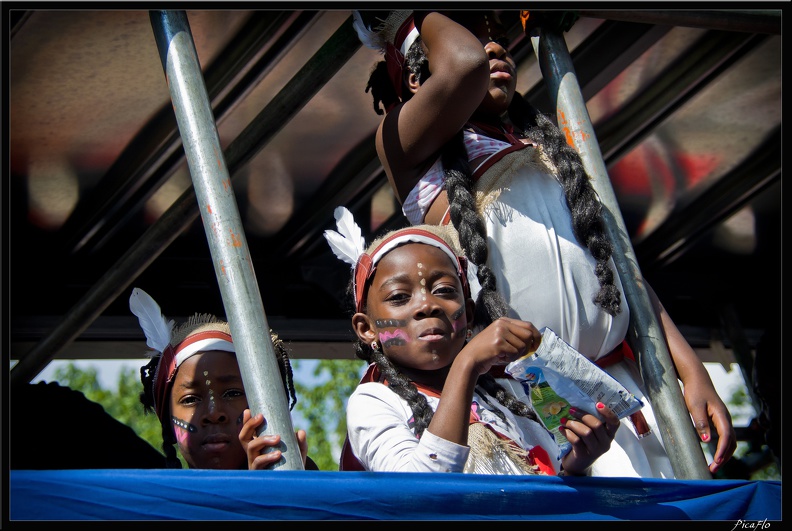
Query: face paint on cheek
(183,429)
(458,323)
(389,323)
(241,416)
(395,338)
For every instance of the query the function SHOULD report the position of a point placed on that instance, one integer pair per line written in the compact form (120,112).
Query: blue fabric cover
(140,494)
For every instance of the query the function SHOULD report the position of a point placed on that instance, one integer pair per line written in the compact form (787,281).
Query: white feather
(155,326)
(368,37)
(348,243)
(378,38)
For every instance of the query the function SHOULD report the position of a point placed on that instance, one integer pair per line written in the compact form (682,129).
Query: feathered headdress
(378,33)
(348,245)
(200,333)
(391,37)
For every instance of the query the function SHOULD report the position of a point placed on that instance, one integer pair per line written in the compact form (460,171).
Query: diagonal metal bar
(156,151)
(305,83)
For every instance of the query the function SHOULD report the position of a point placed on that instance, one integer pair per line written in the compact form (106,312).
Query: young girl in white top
(427,402)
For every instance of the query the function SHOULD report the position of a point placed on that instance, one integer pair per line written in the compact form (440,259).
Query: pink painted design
(396,334)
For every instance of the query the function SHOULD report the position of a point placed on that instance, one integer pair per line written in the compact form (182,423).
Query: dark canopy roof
(686,106)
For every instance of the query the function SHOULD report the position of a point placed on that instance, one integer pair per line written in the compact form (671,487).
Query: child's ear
(361,324)
(412,82)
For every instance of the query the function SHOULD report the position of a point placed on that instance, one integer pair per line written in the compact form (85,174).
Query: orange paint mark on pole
(235,241)
(584,136)
(562,124)
(209,208)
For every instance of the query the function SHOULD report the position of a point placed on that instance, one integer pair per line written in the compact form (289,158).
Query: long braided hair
(148,371)
(403,386)
(581,198)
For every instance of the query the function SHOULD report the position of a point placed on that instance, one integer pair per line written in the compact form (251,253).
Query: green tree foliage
(323,406)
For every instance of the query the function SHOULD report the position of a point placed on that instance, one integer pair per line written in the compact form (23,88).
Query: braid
(169,444)
(584,205)
(472,233)
(502,395)
(284,363)
(459,186)
(147,399)
(147,379)
(403,386)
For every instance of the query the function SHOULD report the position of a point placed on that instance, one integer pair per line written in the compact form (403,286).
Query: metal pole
(224,232)
(657,369)
(302,87)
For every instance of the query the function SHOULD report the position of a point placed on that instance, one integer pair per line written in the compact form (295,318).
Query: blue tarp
(132,494)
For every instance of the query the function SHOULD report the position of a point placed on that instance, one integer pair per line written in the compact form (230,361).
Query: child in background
(194,385)
(427,402)
(461,146)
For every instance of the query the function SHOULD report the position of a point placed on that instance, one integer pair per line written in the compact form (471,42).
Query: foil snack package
(557,377)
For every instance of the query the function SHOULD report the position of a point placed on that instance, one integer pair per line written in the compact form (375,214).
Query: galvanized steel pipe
(662,386)
(224,232)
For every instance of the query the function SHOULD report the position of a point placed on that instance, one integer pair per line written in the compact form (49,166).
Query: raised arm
(410,136)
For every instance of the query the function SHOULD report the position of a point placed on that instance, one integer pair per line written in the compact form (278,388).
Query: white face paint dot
(206,373)
(423,282)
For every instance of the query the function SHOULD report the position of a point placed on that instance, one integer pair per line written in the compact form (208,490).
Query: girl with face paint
(461,146)
(427,402)
(194,385)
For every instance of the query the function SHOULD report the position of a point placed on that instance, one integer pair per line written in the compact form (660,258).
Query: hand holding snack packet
(557,377)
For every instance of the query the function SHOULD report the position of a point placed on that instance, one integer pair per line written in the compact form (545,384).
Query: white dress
(548,278)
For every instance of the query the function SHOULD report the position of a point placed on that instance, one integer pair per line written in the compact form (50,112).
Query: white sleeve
(381,439)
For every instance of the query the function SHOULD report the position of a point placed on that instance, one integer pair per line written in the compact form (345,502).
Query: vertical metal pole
(662,385)
(224,231)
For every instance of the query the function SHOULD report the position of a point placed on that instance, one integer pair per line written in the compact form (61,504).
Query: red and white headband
(348,245)
(159,333)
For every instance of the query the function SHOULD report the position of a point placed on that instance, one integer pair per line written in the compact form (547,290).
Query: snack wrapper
(557,377)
